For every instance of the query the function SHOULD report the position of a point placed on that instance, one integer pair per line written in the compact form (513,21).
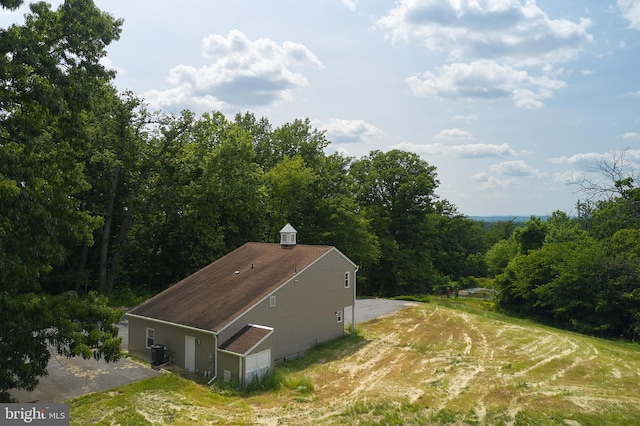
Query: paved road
(368,309)
(72,377)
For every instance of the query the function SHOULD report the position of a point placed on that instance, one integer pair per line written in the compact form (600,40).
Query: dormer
(288,236)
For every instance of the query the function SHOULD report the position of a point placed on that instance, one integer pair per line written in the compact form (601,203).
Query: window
(339,317)
(227,376)
(347,279)
(272,302)
(151,337)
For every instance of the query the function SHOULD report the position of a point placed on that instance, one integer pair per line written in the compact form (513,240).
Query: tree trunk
(106,231)
(83,263)
(117,252)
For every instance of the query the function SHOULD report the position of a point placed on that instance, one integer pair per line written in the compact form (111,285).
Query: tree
(531,236)
(288,187)
(561,228)
(332,215)
(233,180)
(613,201)
(457,241)
(586,285)
(396,192)
(612,215)
(618,174)
(499,256)
(622,269)
(49,72)
(499,230)
(205,199)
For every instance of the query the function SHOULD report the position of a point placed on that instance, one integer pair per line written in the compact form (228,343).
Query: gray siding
(305,311)
(304,316)
(231,363)
(174,338)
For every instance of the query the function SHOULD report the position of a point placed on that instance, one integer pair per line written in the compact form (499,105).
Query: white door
(257,365)
(189,353)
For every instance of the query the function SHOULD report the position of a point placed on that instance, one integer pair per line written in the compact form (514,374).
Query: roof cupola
(288,236)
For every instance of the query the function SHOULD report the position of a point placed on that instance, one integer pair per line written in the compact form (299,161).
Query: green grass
(448,362)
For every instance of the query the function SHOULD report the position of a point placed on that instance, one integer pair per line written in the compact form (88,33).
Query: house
(261,304)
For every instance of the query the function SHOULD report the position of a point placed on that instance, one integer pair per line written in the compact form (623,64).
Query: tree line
(99,196)
(580,273)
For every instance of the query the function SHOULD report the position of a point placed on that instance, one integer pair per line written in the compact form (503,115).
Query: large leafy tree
(49,73)
(396,191)
(308,188)
(206,200)
(457,243)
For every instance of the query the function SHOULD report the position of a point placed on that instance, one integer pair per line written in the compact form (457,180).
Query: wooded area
(100,196)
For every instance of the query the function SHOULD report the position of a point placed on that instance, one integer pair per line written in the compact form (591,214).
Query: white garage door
(257,365)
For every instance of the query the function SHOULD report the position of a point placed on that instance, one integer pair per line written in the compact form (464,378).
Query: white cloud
(350,4)
(635,94)
(488,80)
(348,131)
(504,30)
(465,118)
(454,134)
(514,168)
(633,136)
(630,10)
(589,161)
(108,64)
(493,183)
(582,158)
(497,48)
(461,151)
(586,72)
(245,73)
(480,177)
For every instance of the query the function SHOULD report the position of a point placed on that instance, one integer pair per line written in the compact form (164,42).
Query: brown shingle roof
(215,295)
(246,339)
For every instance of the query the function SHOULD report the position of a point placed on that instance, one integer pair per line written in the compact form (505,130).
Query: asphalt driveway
(368,309)
(72,377)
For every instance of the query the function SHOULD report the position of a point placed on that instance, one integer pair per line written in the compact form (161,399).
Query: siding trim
(261,340)
(224,351)
(173,324)
(292,279)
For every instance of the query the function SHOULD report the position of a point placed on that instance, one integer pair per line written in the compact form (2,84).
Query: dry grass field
(427,364)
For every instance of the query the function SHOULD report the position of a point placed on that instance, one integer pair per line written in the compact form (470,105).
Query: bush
(278,379)
(123,297)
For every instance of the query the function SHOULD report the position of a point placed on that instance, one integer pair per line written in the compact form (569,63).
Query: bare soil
(483,370)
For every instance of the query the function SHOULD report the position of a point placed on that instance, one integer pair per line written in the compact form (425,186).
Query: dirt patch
(447,360)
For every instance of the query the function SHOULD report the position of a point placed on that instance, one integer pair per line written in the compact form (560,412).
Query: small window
(151,337)
(272,302)
(227,376)
(347,279)
(339,317)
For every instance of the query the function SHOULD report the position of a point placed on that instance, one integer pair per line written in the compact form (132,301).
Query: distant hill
(518,219)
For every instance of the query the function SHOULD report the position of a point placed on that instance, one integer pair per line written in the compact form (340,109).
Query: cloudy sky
(509,99)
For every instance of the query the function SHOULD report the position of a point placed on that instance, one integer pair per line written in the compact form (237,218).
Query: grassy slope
(428,364)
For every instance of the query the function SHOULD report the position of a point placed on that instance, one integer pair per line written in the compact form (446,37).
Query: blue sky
(509,99)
